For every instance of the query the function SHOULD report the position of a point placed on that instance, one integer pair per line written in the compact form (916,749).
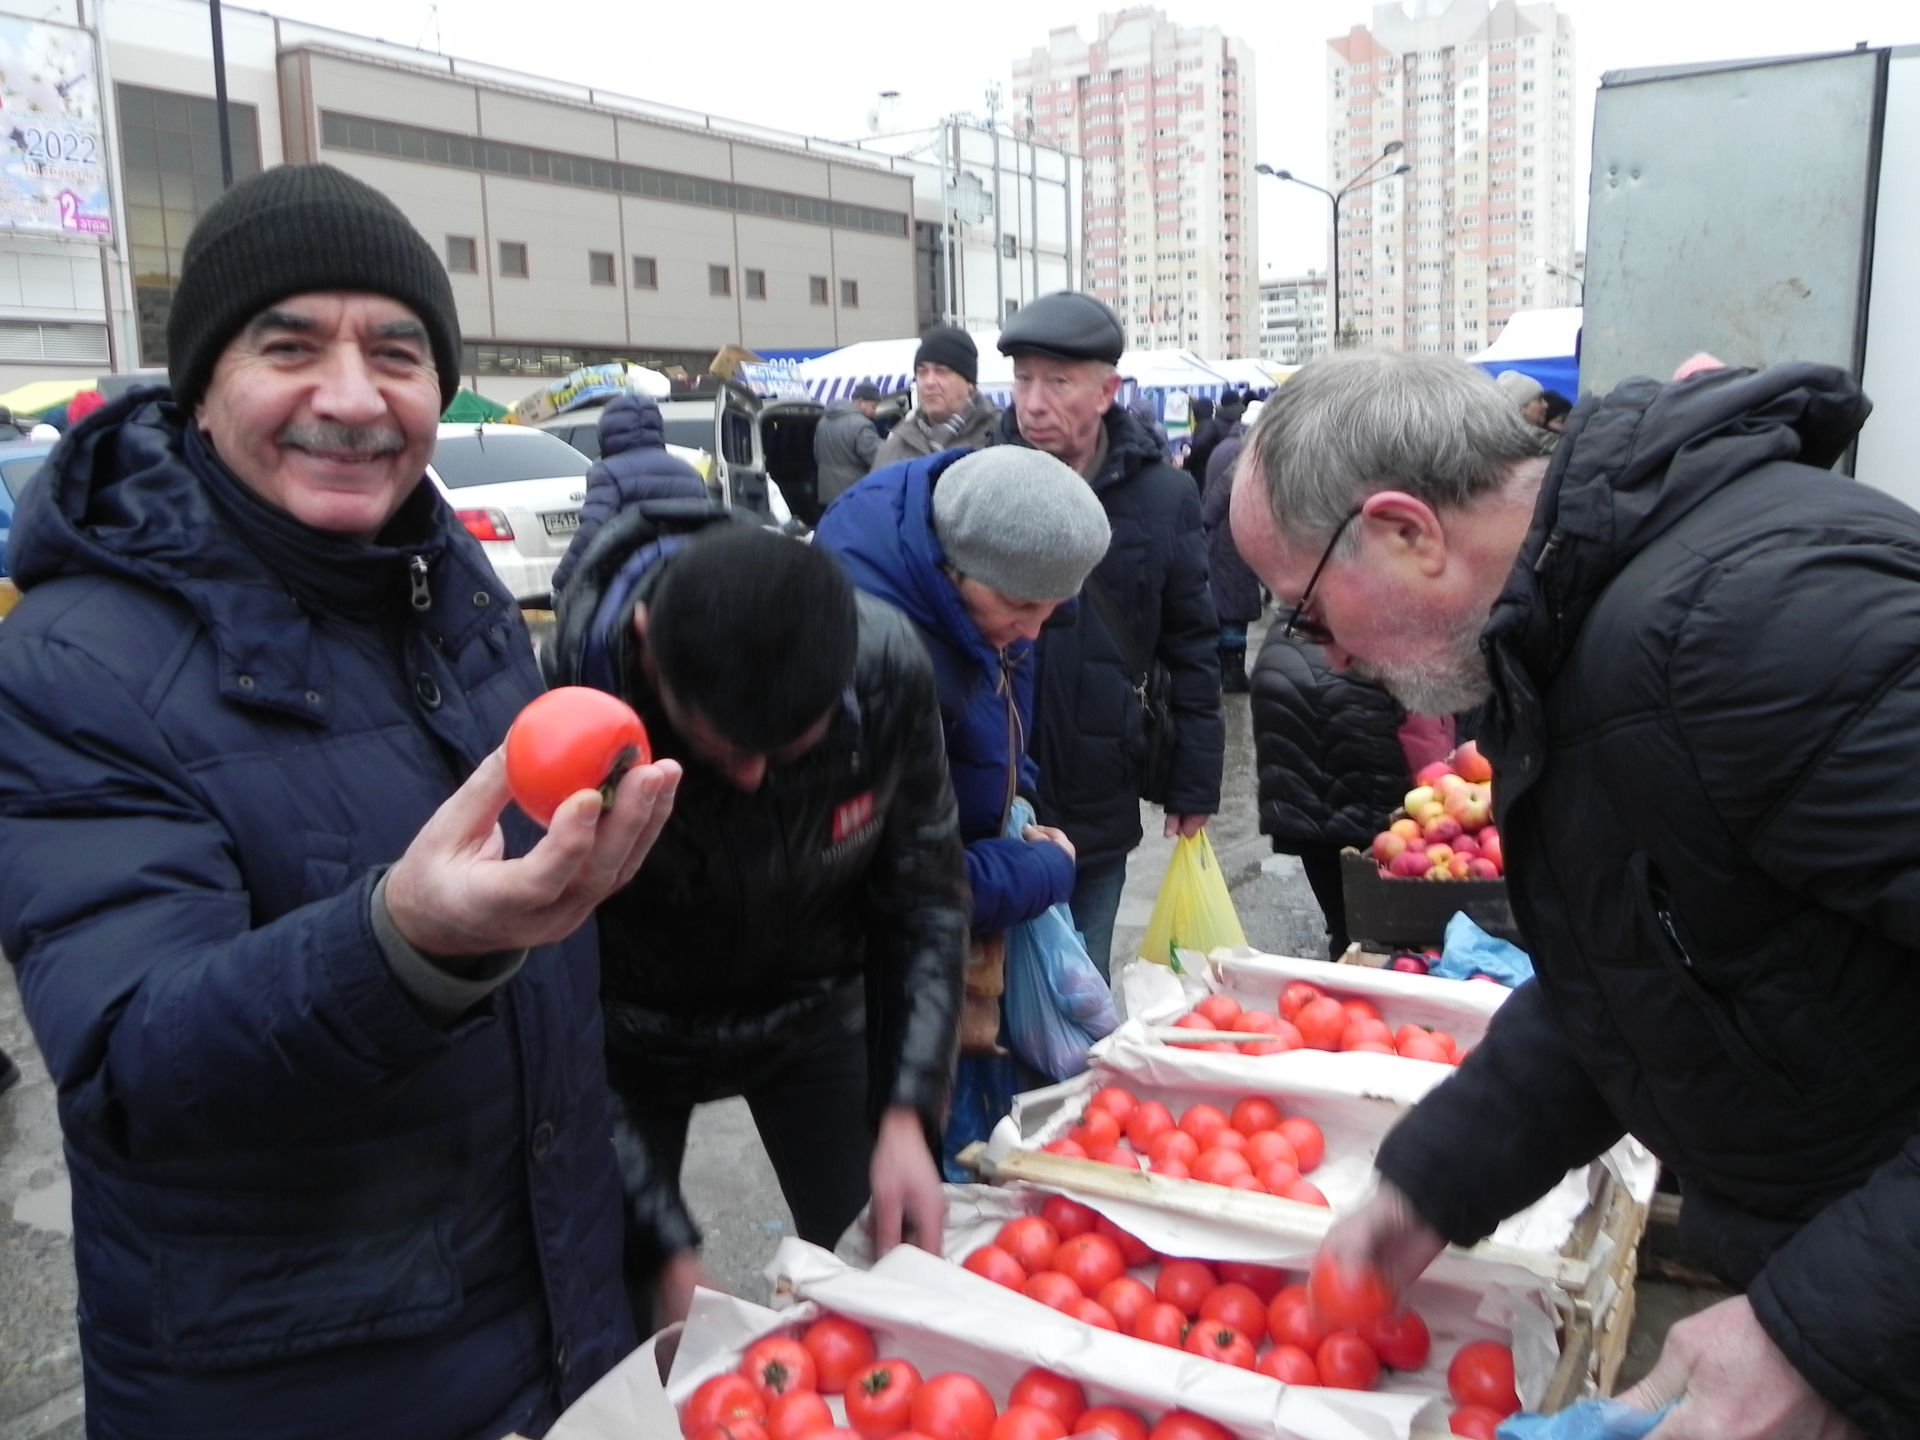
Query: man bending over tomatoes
(798,935)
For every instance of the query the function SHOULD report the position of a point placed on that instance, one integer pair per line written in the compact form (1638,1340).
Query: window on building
(463,256)
(1010,247)
(850,294)
(1012,308)
(600,267)
(513,259)
(646,273)
(719,280)
(756,282)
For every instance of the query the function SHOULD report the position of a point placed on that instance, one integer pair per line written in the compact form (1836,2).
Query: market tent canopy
(37,397)
(469,407)
(888,366)
(1249,373)
(1542,343)
(1171,370)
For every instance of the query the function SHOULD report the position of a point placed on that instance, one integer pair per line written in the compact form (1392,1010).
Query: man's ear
(1409,525)
(640,620)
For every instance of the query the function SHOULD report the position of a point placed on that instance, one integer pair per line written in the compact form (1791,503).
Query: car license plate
(561,522)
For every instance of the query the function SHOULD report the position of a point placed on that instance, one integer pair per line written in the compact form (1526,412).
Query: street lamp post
(1358,182)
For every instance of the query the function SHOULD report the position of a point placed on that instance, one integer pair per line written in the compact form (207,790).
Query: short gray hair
(1346,426)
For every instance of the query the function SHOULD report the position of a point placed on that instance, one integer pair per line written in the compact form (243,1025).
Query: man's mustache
(343,439)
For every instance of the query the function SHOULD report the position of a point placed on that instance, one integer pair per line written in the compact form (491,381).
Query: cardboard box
(1393,913)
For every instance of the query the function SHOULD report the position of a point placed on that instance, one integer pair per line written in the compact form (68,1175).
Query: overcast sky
(818,68)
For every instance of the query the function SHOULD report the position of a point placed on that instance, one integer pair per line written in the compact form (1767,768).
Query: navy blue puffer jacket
(301,1208)
(634,465)
(882,530)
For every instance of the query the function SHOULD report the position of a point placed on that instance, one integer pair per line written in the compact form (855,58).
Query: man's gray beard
(1446,685)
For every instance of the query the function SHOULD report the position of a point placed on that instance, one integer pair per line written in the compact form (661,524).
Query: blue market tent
(1542,343)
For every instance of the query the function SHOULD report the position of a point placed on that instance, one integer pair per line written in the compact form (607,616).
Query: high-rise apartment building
(1480,93)
(1163,116)
(1293,318)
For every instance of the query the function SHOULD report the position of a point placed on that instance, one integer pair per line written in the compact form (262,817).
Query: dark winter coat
(634,465)
(1089,735)
(755,913)
(1326,748)
(883,532)
(910,439)
(845,443)
(301,1207)
(1705,729)
(1230,580)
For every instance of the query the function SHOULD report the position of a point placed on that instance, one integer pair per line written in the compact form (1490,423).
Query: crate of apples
(1445,829)
(1307,1017)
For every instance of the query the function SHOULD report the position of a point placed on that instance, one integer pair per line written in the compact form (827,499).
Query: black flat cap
(1066,325)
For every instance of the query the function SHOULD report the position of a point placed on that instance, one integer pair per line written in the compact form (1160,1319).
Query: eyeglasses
(1300,626)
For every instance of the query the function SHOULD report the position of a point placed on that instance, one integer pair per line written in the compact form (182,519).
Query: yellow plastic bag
(1194,910)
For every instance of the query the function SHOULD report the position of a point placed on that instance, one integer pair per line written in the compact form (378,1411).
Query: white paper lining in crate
(1354,1098)
(1470,1303)
(923,1305)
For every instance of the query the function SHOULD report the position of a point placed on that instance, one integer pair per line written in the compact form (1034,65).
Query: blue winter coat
(301,1207)
(882,530)
(634,465)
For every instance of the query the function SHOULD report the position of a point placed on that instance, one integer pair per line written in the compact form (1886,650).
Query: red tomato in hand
(1027,1422)
(1114,1421)
(1090,1261)
(953,1406)
(571,739)
(839,1347)
(996,1265)
(1346,1362)
(798,1416)
(1475,1422)
(1401,1341)
(1062,1396)
(1185,1425)
(1183,1284)
(722,1399)
(1068,1217)
(779,1366)
(1482,1374)
(1211,1340)
(1030,1240)
(1346,1297)
(880,1398)
(1288,1364)
(1161,1324)
(1290,1320)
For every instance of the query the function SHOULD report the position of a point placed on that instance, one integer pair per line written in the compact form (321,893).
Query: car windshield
(484,459)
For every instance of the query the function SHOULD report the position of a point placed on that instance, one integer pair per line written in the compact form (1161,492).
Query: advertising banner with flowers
(53,156)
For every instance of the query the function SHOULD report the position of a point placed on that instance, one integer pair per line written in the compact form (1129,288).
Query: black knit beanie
(952,347)
(288,231)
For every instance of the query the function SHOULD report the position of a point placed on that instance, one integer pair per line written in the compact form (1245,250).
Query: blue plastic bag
(1056,1003)
(1471,951)
(1589,1420)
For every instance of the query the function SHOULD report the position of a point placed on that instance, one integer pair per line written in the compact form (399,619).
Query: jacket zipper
(1015,744)
(422,598)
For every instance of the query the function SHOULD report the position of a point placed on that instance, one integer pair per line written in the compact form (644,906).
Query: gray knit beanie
(1019,521)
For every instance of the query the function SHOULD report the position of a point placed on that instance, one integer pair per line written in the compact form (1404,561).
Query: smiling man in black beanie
(321,1008)
(949,411)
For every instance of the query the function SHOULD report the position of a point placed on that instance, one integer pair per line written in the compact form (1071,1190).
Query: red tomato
(798,1416)
(1068,1217)
(998,1266)
(1030,1240)
(1305,1192)
(953,1406)
(1266,1146)
(1401,1341)
(1264,1280)
(1449,1044)
(1220,1167)
(841,1432)
(1220,1010)
(1125,1298)
(1346,1362)
(1481,1373)
(1256,1022)
(1053,1290)
(1424,1047)
(1090,1261)
(1475,1422)
(1346,1297)
(1115,1101)
(1184,1284)
(1289,1364)
(1202,1120)
(1321,1023)
(1212,1341)
(722,1399)
(1279,1177)
(1227,1139)
(1137,1251)
(1366,1031)
(1254,1114)
(737,1430)
(1247,1182)
(1173,1145)
(571,739)
(839,1348)
(1290,1320)
(1409,1032)
(1027,1422)
(1064,1146)
(880,1398)
(1092,1312)
(1149,1118)
(1297,996)
(1097,1130)
(779,1366)
(1235,1306)
(1161,1323)
(1058,1394)
(1361,1010)
(1309,1145)
(1185,1425)
(1172,1169)
(1114,1421)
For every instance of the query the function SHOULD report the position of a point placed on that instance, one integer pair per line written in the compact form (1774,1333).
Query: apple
(1490,848)
(1432,810)
(1442,830)
(1408,964)
(1410,864)
(1481,868)
(1438,872)
(1418,798)
(1465,844)
(1459,867)
(1409,830)
(1470,764)
(1471,806)
(1431,774)
(1448,785)
(1439,854)
(1386,845)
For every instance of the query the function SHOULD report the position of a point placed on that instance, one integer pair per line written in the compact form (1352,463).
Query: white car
(518,492)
